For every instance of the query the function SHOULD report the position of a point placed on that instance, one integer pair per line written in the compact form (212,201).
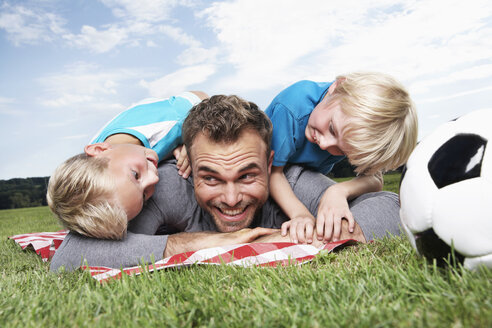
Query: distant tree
(17,193)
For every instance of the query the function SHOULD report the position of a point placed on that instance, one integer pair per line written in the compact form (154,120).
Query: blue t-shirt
(156,123)
(289,113)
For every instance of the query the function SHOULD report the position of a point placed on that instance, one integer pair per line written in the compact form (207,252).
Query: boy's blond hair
(382,129)
(81,194)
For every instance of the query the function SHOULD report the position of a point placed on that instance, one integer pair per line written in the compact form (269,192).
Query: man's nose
(231,195)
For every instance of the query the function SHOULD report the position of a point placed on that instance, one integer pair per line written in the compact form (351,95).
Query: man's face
(231,180)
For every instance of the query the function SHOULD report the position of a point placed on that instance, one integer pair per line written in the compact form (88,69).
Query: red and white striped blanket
(253,254)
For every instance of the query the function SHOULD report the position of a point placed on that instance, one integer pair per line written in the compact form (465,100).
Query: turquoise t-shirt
(156,123)
(289,113)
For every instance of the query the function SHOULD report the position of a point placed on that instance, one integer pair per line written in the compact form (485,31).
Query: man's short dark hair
(224,118)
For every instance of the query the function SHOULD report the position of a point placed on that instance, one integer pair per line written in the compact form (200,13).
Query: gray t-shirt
(173,208)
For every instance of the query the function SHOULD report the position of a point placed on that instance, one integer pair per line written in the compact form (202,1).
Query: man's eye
(247,176)
(135,174)
(209,178)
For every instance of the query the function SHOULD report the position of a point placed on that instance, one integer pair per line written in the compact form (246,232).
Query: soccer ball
(446,192)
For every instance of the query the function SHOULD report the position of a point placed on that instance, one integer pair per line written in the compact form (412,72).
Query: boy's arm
(202,95)
(359,185)
(334,206)
(302,221)
(180,153)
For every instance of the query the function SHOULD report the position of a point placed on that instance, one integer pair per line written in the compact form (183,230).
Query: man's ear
(270,161)
(97,148)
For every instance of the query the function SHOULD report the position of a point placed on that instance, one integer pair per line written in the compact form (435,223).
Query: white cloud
(428,37)
(459,76)
(7,108)
(29,25)
(98,41)
(86,84)
(457,95)
(178,35)
(4,100)
(197,55)
(287,40)
(143,10)
(179,81)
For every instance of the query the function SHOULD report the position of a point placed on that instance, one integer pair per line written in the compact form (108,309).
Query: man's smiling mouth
(232,214)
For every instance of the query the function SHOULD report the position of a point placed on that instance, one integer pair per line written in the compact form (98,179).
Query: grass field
(383,284)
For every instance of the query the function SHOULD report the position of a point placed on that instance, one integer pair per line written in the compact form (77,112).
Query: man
(228,143)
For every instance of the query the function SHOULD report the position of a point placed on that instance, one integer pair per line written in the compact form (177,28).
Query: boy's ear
(334,85)
(97,148)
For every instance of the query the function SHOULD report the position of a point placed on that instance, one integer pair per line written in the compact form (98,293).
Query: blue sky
(67,67)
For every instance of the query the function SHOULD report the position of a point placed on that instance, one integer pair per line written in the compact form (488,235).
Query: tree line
(23,192)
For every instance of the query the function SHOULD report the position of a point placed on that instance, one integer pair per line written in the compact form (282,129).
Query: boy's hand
(301,229)
(183,163)
(333,207)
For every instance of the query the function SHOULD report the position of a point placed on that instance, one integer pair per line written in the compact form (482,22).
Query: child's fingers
(351,221)
(309,232)
(187,171)
(180,161)
(328,228)
(293,232)
(337,226)
(177,151)
(320,225)
(301,233)
(284,228)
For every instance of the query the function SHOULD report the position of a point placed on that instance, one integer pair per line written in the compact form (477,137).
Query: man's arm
(77,250)
(193,241)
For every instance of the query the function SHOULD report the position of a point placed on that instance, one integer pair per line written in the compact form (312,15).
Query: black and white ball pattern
(446,192)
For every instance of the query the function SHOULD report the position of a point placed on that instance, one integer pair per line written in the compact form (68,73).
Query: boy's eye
(135,174)
(332,130)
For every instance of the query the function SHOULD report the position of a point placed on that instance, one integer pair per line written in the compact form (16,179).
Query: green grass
(383,284)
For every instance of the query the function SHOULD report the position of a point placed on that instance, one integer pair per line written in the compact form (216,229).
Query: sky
(68,67)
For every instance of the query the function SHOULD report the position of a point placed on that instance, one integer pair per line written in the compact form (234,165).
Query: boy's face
(134,169)
(326,125)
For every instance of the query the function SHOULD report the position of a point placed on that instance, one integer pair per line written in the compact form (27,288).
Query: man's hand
(300,228)
(333,208)
(193,241)
(183,163)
